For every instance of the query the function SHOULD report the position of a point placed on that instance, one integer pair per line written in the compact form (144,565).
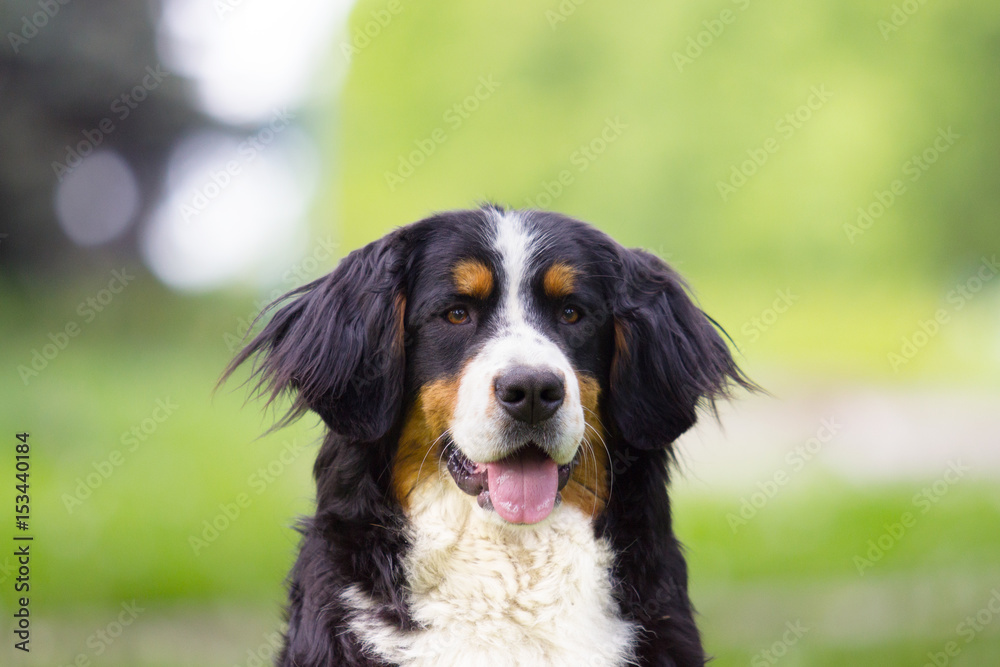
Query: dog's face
(505,350)
(508,333)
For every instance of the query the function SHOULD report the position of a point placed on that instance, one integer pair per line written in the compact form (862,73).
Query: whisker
(430,447)
(596,415)
(593,457)
(586,484)
(611,477)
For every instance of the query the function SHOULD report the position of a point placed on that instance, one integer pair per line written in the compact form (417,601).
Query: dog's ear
(668,355)
(338,347)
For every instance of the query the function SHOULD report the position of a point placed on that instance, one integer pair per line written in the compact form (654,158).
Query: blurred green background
(826,175)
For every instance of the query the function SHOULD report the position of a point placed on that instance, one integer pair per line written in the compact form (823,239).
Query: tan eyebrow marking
(473,278)
(559,280)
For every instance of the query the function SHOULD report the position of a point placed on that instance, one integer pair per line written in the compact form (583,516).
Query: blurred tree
(77,78)
(699,91)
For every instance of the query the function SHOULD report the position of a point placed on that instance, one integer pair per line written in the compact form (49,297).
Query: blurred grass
(107,381)
(794,562)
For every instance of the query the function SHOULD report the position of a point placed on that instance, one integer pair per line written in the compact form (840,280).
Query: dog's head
(507,350)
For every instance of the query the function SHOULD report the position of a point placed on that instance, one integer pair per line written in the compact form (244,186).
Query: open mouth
(522,488)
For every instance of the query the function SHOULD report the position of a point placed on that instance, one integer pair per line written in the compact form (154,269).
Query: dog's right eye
(570,315)
(457,316)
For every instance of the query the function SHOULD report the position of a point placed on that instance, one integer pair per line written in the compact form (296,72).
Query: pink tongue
(523,487)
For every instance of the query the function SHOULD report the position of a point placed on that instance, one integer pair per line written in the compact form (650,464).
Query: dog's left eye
(457,316)
(570,315)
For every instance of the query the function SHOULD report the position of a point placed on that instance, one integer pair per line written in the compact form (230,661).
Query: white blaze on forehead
(513,243)
(480,427)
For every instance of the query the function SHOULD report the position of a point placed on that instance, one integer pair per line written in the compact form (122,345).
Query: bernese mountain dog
(501,389)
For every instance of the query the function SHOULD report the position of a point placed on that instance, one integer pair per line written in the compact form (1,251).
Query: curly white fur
(486,593)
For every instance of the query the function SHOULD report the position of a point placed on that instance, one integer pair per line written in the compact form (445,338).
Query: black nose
(530,395)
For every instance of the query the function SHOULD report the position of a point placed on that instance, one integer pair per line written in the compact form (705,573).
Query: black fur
(346,350)
(339,345)
(673,357)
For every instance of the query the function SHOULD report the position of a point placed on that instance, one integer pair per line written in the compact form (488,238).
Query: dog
(501,390)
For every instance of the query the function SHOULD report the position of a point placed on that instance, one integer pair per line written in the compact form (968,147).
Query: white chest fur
(486,593)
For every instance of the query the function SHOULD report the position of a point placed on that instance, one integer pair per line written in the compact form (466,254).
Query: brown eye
(570,315)
(458,316)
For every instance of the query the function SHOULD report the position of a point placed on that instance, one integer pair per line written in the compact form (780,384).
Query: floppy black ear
(339,346)
(668,357)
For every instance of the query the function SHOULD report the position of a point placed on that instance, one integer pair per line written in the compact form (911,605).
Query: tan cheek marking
(587,489)
(472,278)
(439,400)
(419,443)
(559,280)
